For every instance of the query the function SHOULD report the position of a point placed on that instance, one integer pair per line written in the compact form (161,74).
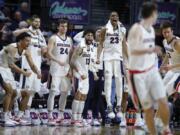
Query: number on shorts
(87,61)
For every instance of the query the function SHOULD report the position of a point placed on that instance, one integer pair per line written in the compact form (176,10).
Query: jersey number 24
(63,50)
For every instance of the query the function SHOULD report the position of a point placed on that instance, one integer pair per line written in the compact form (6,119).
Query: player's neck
(146,24)
(170,38)
(19,48)
(62,35)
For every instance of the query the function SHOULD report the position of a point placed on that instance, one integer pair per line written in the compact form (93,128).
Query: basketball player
(112,40)
(59,52)
(8,56)
(171,63)
(36,47)
(146,83)
(81,59)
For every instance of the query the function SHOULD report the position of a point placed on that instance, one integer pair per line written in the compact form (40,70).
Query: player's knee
(162,102)
(79,96)
(25,94)
(14,94)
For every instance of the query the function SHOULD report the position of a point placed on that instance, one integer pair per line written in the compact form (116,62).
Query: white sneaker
(77,123)
(95,122)
(22,121)
(110,112)
(85,123)
(35,120)
(9,123)
(65,122)
(118,112)
(51,122)
(43,114)
(139,123)
(123,123)
(158,122)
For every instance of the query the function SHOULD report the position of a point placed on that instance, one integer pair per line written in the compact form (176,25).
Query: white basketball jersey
(85,58)
(168,48)
(145,61)
(61,51)
(37,42)
(113,44)
(4,58)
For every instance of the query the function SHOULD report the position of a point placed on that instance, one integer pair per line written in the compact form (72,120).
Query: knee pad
(79,96)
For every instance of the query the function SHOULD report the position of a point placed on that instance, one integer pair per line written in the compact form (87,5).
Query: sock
(80,110)
(62,100)
(6,116)
(27,113)
(50,102)
(138,115)
(75,107)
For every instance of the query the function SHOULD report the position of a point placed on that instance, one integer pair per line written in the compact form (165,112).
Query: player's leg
(65,88)
(140,95)
(108,73)
(159,94)
(54,87)
(118,74)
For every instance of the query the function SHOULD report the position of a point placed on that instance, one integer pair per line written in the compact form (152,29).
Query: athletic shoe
(95,122)
(85,123)
(77,123)
(22,121)
(167,132)
(110,112)
(43,115)
(139,123)
(9,123)
(123,123)
(35,120)
(51,122)
(118,112)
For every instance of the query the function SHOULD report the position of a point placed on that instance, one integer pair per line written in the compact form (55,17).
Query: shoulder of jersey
(123,29)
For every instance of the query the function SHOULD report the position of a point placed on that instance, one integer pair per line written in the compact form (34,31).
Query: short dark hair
(22,36)
(166,24)
(62,21)
(147,9)
(35,17)
(86,31)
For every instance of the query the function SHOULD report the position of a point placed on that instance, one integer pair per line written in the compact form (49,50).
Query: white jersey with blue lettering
(61,51)
(168,48)
(37,42)
(113,44)
(5,57)
(145,61)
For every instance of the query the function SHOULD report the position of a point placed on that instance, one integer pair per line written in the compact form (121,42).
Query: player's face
(25,42)
(167,33)
(154,17)
(89,38)
(114,18)
(63,28)
(36,23)
(98,34)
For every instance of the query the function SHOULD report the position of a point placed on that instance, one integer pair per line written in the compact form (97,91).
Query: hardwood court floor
(45,130)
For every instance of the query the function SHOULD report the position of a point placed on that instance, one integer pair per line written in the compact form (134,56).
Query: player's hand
(69,74)
(27,73)
(39,75)
(158,50)
(96,77)
(97,61)
(166,67)
(83,77)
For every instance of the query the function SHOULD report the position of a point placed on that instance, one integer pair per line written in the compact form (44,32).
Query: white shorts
(169,82)
(8,76)
(60,83)
(83,86)
(31,83)
(146,88)
(113,68)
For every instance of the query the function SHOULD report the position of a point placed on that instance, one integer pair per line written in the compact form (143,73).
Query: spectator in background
(24,9)
(16,20)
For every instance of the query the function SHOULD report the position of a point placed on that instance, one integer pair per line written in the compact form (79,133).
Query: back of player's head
(166,24)
(147,9)
(22,36)
(87,31)
(35,17)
